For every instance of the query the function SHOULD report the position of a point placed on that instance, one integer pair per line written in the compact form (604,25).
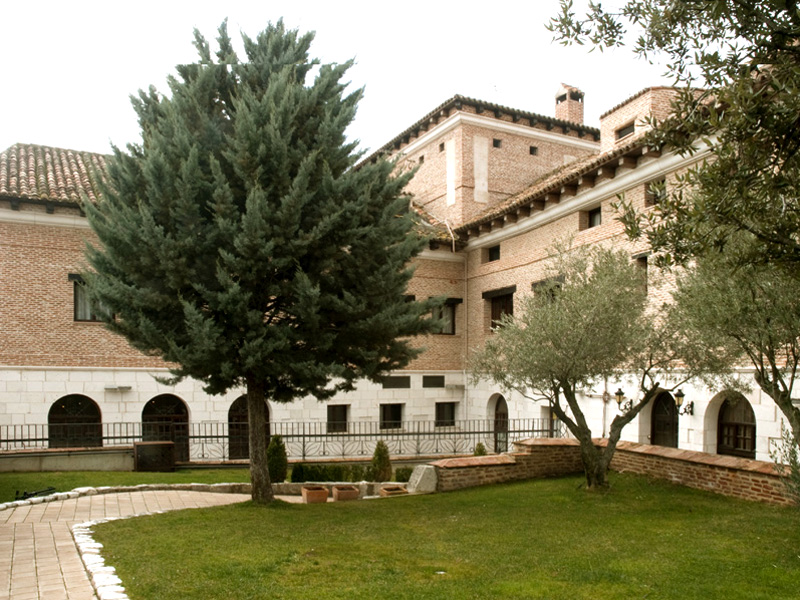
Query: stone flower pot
(315,494)
(393,490)
(342,493)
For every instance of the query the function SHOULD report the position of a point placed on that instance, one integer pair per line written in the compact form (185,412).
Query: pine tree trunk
(257,424)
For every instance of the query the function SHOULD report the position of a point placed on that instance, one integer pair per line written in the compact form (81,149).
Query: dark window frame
(433,381)
(654,192)
(391,415)
(445,414)
(449,307)
(493,253)
(501,302)
(335,423)
(594,217)
(534,150)
(81,306)
(396,382)
(625,130)
(497,143)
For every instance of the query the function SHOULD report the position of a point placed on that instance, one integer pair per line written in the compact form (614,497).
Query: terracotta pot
(342,493)
(314,494)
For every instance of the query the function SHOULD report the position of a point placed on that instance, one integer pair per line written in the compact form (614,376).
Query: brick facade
(497,208)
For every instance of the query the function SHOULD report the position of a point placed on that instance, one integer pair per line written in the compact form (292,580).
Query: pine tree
(241,244)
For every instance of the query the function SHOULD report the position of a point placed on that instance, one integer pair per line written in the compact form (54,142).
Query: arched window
(501,425)
(74,422)
(238,432)
(736,433)
(664,421)
(166,418)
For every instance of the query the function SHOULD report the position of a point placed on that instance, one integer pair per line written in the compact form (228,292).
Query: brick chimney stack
(569,104)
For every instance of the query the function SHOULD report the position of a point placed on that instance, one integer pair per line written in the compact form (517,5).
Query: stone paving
(39,557)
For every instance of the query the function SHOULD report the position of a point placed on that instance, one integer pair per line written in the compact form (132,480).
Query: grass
(536,539)
(65,481)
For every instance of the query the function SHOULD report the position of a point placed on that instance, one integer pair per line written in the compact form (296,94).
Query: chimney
(569,104)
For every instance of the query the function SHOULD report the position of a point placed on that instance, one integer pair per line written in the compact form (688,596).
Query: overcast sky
(68,68)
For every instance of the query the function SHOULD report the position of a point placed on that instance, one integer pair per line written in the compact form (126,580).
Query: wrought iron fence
(306,440)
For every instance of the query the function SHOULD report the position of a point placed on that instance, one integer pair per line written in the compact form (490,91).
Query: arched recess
(74,421)
(166,418)
(238,433)
(736,427)
(664,421)
(498,414)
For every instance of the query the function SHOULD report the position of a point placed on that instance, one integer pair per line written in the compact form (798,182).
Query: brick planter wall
(727,475)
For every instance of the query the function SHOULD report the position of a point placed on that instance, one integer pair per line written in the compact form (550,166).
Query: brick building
(499,185)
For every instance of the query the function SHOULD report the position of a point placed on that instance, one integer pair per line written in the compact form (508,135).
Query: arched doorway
(74,422)
(736,428)
(166,418)
(664,421)
(500,425)
(238,434)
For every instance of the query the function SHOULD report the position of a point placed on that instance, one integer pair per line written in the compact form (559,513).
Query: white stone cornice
(461,118)
(443,256)
(42,218)
(590,198)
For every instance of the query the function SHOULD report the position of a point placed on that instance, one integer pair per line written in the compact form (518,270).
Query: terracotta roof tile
(32,172)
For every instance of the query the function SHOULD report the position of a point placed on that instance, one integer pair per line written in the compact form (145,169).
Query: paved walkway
(39,558)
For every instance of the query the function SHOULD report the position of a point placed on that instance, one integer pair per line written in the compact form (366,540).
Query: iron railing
(306,440)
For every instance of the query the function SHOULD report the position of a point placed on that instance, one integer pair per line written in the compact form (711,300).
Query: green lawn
(65,481)
(537,539)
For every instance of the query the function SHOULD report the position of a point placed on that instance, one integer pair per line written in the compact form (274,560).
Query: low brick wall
(727,475)
(546,458)
(535,458)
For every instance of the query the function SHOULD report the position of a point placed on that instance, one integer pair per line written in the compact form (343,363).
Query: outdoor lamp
(620,397)
(688,409)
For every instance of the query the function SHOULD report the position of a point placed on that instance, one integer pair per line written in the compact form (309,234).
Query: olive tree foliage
(239,243)
(591,324)
(738,65)
(749,312)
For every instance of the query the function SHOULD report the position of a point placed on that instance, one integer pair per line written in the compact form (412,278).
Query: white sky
(68,68)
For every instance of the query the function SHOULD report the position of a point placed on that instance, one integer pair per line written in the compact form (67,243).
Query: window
(445,414)
(391,416)
(397,382)
(534,150)
(501,302)
(337,418)
(433,381)
(82,307)
(447,314)
(655,192)
(497,143)
(441,147)
(422,159)
(594,218)
(548,287)
(625,131)
(492,254)
(641,262)
(736,434)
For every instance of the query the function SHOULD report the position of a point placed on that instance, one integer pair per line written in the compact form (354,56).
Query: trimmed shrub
(381,463)
(277,463)
(357,473)
(299,473)
(480,449)
(402,474)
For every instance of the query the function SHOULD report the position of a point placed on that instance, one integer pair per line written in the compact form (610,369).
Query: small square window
(625,131)
(445,414)
(441,147)
(534,150)
(337,418)
(497,143)
(595,217)
(391,416)
(433,381)
(422,159)
(493,253)
(397,382)
(655,192)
